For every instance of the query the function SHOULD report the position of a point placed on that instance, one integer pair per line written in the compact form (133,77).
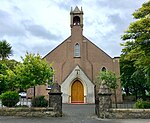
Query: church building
(77,62)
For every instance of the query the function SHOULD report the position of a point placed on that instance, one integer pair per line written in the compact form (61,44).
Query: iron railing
(22,102)
(125,105)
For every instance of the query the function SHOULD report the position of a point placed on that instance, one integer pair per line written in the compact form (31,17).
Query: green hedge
(9,98)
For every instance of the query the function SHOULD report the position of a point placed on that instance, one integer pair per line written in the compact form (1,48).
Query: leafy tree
(133,80)
(109,78)
(135,57)
(138,38)
(9,63)
(33,71)
(3,69)
(141,84)
(127,69)
(7,80)
(5,49)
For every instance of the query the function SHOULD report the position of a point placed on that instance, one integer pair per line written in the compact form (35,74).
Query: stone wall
(103,108)
(29,112)
(128,113)
(55,98)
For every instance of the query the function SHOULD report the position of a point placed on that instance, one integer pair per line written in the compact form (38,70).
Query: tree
(33,71)
(7,80)
(137,49)
(3,69)
(137,39)
(127,69)
(5,49)
(109,78)
(141,85)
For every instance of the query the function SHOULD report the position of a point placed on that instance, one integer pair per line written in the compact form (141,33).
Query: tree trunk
(127,91)
(136,96)
(115,98)
(34,92)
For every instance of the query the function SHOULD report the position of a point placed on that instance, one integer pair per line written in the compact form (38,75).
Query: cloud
(45,48)
(41,32)
(8,25)
(119,4)
(67,4)
(39,26)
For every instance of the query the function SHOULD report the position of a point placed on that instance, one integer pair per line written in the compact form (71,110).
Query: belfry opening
(76,20)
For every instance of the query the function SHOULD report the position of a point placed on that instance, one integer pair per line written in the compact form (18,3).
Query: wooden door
(77,92)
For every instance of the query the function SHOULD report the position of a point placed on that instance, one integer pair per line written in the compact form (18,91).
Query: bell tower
(76,21)
(76,17)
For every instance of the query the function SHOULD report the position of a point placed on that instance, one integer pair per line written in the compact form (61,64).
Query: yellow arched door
(77,92)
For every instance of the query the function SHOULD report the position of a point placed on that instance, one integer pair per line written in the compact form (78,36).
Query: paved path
(72,114)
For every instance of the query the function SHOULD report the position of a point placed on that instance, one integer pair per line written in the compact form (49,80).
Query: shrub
(9,98)
(146,104)
(142,104)
(139,104)
(39,101)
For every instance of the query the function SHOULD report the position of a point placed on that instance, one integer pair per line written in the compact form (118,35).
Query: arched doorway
(77,92)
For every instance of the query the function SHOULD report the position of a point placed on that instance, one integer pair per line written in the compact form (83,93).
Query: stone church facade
(76,62)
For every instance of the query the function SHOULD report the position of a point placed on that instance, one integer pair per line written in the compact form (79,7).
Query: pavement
(71,114)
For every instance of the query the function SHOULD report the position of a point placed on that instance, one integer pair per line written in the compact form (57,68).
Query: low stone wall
(29,112)
(103,108)
(128,113)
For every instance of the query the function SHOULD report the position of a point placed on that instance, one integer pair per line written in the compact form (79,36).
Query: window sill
(77,56)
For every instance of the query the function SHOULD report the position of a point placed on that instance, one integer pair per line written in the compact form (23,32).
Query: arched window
(103,69)
(77,50)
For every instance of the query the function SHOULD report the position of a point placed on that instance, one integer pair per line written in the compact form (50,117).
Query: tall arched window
(77,50)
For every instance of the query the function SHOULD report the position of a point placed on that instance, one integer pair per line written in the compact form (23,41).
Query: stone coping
(130,109)
(128,113)
(29,112)
(27,109)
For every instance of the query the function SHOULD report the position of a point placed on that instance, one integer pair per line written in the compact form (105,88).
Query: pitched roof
(97,47)
(84,38)
(56,47)
(76,10)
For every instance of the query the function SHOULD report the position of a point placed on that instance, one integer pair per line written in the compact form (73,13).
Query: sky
(38,26)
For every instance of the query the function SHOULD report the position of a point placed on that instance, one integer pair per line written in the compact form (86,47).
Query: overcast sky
(38,26)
